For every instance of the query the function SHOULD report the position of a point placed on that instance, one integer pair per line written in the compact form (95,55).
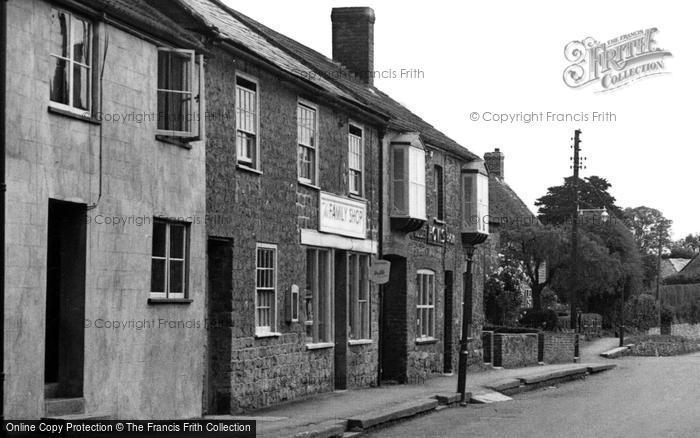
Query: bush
(680,278)
(506,329)
(687,313)
(540,319)
(641,312)
(667,314)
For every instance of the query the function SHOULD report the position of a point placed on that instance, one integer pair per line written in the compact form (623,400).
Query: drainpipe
(3,189)
(380,255)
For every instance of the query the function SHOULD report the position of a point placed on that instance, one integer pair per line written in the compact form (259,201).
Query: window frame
(425,307)
(195,92)
(413,209)
(318,339)
(166,294)
(361,170)
(474,201)
(253,162)
(91,58)
(439,181)
(314,181)
(272,328)
(359,329)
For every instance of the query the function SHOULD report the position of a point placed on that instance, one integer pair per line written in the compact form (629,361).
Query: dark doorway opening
(65,300)
(219,325)
(394,331)
(448,346)
(340,359)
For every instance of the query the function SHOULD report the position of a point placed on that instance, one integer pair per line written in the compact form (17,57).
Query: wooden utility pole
(574,231)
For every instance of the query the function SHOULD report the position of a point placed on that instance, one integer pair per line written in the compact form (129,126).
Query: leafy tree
(679,252)
(690,244)
(557,205)
(536,247)
(651,233)
(649,227)
(503,292)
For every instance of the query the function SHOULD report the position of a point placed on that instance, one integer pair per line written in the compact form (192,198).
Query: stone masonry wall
(559,347)
(514,350)
(270,206)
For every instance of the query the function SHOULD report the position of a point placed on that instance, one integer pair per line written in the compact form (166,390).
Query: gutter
(3,190)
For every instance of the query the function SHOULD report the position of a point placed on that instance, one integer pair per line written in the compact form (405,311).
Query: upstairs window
(408,178)
(439,191)
(475,192)
(307,135)
(247,150)
(169,259)
(70,60)
(355,160)
(179,90)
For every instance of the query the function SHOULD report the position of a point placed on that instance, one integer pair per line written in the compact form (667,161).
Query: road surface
(642,397)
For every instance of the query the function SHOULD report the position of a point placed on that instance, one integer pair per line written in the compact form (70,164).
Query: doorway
(448,348)
(65,300)
(219,325)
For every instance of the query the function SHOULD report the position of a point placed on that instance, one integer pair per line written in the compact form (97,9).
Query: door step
(54,407)
(79,417)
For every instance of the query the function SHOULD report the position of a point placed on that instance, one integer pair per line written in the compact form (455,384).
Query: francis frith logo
(615,63)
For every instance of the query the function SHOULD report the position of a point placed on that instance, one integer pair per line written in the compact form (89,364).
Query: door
(219,322)
(64,341)
(448,324)
(342,292)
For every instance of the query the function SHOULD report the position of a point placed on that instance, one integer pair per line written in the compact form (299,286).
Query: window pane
(81,41)
(177,241)
(174,71)
(59,33)
(177,270)
(81,87)
(157,275)
(59,81)
(159,239)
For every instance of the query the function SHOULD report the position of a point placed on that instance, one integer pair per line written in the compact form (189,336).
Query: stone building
(273,191)
(105,271)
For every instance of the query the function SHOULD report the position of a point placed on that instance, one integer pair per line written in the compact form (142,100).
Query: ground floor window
(425,305)
(265,288)
(358,292)
(317,296)
(169,259)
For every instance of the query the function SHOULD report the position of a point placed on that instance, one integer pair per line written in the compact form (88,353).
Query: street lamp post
(466,321)
(475,230)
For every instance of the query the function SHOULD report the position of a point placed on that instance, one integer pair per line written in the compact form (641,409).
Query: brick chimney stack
(353,40)
(494,163)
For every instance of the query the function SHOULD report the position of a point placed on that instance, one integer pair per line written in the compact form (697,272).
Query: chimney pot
(353,40)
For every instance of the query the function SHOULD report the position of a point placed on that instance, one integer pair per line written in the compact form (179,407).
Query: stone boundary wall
(559,347)
(512,350)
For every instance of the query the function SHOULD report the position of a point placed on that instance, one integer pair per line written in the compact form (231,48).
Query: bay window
(408,181)
(475,198)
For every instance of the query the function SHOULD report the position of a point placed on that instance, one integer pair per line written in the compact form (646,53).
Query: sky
(507,57)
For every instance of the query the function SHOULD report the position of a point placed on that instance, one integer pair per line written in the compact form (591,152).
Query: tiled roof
(506,207)
(301,61)
(693,267)
(145,17)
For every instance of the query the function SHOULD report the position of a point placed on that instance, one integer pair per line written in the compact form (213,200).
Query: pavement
(336,413)
(644,397)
